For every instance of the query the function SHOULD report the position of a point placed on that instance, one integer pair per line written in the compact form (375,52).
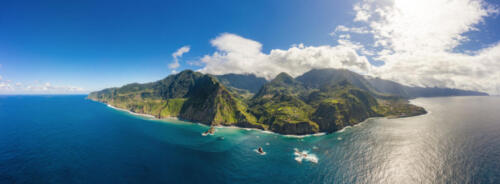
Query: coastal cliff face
(284,105)
(288,105)
(188,95)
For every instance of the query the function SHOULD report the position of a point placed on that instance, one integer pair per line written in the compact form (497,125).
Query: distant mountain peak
(283,77)
(248,82)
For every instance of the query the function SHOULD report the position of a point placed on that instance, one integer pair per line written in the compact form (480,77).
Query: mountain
(188,95)
(290,105)
(317,78)
(248,82)
(278,105)
(376,86)
(393,88)
(321,100)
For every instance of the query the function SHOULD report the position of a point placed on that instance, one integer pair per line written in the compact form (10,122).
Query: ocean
(68,139)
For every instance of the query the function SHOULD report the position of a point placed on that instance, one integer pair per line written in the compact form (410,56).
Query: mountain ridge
(317,101)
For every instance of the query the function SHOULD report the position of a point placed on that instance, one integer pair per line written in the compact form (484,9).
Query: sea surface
(68,139)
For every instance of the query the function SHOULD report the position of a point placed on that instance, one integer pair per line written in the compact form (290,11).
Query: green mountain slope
(318,101)
(289,105)
(188,95)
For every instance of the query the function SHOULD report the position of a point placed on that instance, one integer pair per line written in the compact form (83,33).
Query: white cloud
(176,55)
(195,63)
(6,86)
(345,36)
(415,39)
(362,12)
(407,25)
(236,54)
(343,29)
(49,88)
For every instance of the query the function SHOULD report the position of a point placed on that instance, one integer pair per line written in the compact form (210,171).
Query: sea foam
(305,155)
(133,113)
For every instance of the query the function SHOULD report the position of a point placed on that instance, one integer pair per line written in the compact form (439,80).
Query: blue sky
(50,46)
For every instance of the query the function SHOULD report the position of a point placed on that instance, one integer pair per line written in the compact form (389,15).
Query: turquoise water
(67,139)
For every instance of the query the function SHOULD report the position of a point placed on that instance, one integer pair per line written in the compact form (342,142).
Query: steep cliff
(188,95)
(318,101)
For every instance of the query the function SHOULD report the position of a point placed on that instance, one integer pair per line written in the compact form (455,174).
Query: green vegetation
(318,101)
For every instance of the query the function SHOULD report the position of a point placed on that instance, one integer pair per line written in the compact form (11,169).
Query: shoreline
(412,101)
(248,129)
(216,126)
(219,126)
(133,113)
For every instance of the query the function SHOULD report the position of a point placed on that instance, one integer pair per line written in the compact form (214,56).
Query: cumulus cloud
(236,54)
(407,25)
(416,39)
(176,55)
(362,12)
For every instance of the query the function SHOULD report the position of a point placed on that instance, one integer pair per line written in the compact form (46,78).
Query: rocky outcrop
(296,128)
(188,95)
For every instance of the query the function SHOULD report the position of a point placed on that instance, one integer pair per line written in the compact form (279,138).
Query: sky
(75,47)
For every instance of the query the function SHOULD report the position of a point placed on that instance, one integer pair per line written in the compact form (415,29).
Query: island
(321,100)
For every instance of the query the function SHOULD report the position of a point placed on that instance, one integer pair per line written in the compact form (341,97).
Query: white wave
(230,127)
(209,133)
(133,113)
(294,136)
(267,132)
(343,129)
(319,134)
(218,126)
(303,136)
(205,134)
(305,156)
(257,151)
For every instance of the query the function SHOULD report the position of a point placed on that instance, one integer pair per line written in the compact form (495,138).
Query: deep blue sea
(68,139)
